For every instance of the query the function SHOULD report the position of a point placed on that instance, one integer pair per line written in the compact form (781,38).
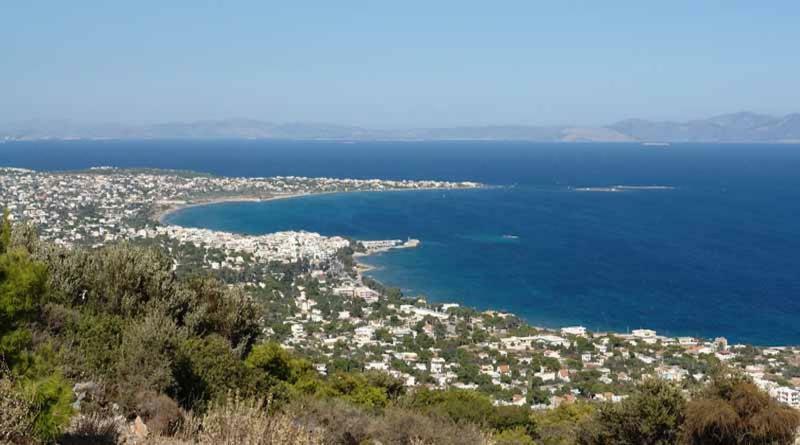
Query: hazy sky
(397,63)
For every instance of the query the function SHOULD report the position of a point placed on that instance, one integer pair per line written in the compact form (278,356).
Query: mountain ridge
(733,127)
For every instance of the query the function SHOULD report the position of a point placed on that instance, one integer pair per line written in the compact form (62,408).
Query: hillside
(737,127)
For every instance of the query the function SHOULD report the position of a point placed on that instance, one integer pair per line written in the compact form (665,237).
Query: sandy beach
(164,209)
(362,267)
(161,211)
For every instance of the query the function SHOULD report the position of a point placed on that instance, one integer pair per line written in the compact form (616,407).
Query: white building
(643,333)
(787,396)
(574,330)
(364,334)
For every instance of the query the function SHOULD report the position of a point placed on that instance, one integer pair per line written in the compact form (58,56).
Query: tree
(652,416)
(357,389)
(512,418)
(206,369)
(213,307)
(537,395)
(51,397)
(383,335)
(458,405)
(121,279)
(515,436)
(560,426)
(733,411)
(271,359)
(423,341)
(22,288)
(147,357)
(5,232)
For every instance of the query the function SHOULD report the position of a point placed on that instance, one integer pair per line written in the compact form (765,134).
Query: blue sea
(717,253)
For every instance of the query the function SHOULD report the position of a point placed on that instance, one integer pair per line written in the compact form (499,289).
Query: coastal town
(320,303)
(106,204)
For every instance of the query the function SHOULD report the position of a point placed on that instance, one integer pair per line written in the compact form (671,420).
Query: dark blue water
(717,255)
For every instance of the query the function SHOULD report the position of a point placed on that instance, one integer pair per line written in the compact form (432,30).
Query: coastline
(159,214)
(362,268)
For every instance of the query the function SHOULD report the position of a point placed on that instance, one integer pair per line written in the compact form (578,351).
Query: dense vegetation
(92,339)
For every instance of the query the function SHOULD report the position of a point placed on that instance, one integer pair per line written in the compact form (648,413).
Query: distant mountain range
(736,127)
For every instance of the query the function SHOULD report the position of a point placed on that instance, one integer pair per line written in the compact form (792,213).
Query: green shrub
(98,340)
(206,370)
(515,436)
(148,356)
(457,405)
(22,287)
(272,360)
(651,416)
(120,279)
(561,425)
(15,346)
(51,398)
(5,231)
(357,389)
(207,306)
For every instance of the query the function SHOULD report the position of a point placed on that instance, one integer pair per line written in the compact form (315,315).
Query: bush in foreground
(652,416)
(733,411)
(346,424)
(16,412)
(240,421)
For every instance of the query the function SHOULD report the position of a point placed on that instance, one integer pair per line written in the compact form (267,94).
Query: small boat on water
(510,237)
(656,144)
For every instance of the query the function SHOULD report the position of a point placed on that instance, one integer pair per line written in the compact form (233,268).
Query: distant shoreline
(160,213)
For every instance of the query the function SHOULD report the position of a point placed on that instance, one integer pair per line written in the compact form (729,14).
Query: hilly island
(731,128)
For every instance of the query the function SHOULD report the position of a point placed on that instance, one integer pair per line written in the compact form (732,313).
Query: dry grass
(161,414)
(236,422)
(16,413)
(345,424)
(403,427)
(242,422)
(93,430)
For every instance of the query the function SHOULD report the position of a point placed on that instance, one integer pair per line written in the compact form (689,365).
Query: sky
(396,64)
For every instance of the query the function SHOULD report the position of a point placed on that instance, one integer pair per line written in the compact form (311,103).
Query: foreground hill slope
(109,346)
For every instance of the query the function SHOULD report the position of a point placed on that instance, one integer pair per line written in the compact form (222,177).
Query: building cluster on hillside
(106,204)
(321,306)
(448,346)
(283,247)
